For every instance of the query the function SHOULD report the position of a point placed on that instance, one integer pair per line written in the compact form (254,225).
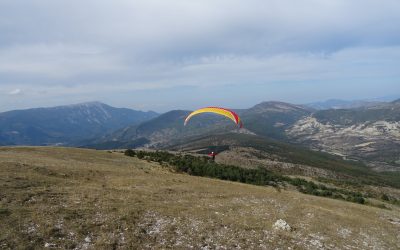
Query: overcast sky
(184,54)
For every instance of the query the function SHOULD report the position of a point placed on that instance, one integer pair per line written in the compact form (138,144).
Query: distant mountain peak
(276,106)
(66,124)
(343,104)
(95,103)
(396,101)
(86,104)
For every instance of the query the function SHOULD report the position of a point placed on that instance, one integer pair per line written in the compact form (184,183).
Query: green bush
(357,199)
(130,152)
(140,154)
(385,197)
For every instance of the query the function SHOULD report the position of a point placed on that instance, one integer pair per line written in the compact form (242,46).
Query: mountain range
(349,104)
(370,134)
(342,104)
(269,119)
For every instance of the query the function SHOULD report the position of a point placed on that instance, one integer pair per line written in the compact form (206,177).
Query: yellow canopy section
(216,110)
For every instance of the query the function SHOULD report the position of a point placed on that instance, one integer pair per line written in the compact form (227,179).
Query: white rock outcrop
(281,225)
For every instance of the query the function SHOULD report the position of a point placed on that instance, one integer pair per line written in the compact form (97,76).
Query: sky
(185,54)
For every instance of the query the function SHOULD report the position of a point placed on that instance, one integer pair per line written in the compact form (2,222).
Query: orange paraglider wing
(216,110)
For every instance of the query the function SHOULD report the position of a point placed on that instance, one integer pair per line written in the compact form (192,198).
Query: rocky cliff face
(368,133)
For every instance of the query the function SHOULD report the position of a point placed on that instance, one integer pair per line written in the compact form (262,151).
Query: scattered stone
(344,232)
(281,225)
(316,243)
(395,221)
(49,245)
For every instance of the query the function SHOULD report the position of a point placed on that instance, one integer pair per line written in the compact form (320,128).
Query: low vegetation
(203,166)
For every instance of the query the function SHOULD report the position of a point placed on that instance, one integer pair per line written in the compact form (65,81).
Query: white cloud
(56,60)
(87,48)
(15,92)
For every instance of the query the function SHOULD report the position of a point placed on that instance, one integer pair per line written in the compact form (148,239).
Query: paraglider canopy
(216,110)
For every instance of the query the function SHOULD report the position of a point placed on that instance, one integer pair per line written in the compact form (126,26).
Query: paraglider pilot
(212,154)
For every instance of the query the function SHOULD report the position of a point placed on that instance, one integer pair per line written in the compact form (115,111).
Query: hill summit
(65,124)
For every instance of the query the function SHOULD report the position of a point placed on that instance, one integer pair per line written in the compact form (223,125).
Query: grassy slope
(77,198)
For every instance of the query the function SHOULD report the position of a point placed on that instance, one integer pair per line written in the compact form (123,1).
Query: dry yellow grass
(77,198)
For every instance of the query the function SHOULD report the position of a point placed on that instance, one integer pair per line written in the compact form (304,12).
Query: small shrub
(141,154)
(385,197)
(130,152)
(4,212)
(338,196)
(356,199)
(326,193)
